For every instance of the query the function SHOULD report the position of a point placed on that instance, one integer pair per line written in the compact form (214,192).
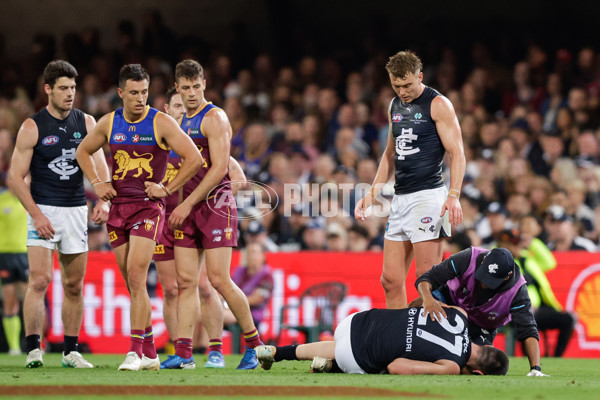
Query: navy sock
(286,353)
(71,344)
(32,342)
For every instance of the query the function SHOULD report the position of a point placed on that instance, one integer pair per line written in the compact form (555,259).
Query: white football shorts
(416,216)
(343,348)
(70,229)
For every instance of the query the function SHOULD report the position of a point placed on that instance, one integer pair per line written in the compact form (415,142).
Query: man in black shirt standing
(398,342)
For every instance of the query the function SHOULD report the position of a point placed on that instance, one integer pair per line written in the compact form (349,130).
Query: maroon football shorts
(143,219)
(208,227)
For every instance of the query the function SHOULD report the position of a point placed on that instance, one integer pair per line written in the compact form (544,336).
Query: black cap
(495,267)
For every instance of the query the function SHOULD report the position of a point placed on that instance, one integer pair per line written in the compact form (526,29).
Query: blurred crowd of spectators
(530,129)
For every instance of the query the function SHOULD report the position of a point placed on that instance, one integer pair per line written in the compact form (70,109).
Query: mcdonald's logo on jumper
(131,128)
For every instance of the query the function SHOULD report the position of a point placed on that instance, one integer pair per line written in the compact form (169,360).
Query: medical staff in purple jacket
(489,286)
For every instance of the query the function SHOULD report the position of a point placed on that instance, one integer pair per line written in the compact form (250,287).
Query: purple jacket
(490,315)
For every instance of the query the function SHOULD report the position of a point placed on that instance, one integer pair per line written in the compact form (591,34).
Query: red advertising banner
(576,282)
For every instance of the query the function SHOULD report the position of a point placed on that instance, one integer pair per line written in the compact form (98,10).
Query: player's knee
(39,283)
(170,293)
(186,281)
(391,284)
(72,287)
(220,283)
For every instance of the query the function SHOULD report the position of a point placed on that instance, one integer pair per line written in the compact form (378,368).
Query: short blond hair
(404,63)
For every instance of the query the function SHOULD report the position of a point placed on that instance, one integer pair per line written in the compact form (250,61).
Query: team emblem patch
(397,117)
(148,224)
(228,233)
(492,268)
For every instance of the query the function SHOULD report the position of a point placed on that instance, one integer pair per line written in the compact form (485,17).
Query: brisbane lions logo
(127,163)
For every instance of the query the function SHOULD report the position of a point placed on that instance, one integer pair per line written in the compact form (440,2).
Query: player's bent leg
(397,257)
(427,254)
(167,276)
(217,264)
(73,271)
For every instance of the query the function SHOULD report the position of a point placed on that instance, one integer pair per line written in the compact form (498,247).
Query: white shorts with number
(70,229)
(343,348)
(416,216)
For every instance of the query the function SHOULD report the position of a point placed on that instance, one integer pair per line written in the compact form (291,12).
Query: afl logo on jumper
(119,137)
(397,117)
(426,220)
(63,165)
(49,140)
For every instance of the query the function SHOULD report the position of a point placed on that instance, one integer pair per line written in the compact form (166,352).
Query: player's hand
(434,308)
(105,191)
(179,214)
(535,372)
(455,214)
(155,190)
(100,212)
(43,227)
(360,211)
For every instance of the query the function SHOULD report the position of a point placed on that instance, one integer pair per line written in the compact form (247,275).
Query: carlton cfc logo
(119,137)
(48,140)
(135,138)
(397,117)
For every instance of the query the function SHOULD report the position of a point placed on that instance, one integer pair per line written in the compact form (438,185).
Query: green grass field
(571,379)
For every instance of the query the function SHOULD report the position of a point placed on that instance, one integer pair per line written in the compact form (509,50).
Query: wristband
(454,193)
(96,181)
(536,367)
(165,189)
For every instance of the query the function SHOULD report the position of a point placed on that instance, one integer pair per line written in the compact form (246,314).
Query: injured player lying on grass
(398,342)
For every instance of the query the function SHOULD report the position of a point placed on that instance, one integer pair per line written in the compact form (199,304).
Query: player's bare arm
(448,129)
(237,175)
(92,144)
(405,366)
(217,129)
(21,161)
(385,171)
(100,211)
(169,132)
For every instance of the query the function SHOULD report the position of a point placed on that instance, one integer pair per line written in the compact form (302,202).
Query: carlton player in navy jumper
(139,138)
(206,222)
(397,342)
(56,207)
(423,125)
